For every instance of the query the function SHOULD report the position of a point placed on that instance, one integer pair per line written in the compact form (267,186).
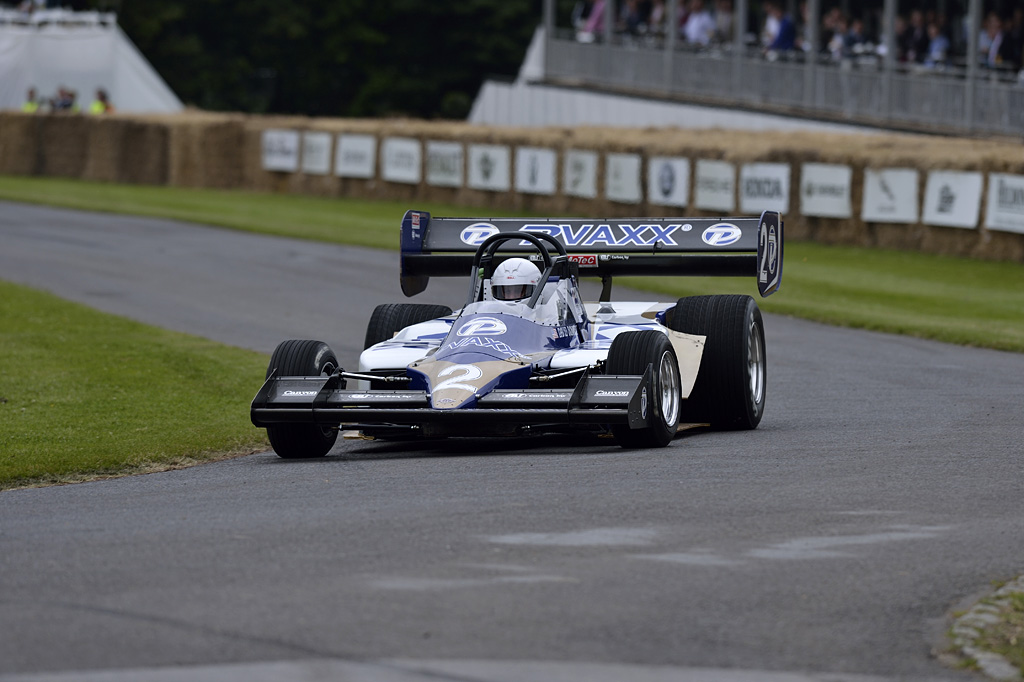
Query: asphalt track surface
(881,492)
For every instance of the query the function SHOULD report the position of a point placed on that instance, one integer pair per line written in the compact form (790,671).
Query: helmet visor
(512,292)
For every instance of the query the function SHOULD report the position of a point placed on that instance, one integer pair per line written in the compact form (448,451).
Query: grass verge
(85,394)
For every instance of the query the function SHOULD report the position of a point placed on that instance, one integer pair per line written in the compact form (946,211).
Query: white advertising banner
(402,160)
(825,190)
(953,198)
(281,150)
(668,181)
(890,196)
(445,164)
(490,167)
(1005,210)
(764,187)
(535,170)
(580,174)
(715,187)
(356,156)
(316,153)
(622,178)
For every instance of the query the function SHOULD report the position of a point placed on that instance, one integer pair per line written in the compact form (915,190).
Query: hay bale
(64,143)
(145,152)
(19,146)
(103,150)
(206,150)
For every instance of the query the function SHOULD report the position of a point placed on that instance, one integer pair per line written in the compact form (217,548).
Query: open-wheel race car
(525,354)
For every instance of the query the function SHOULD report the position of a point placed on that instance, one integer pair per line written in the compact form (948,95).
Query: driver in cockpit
(514,279)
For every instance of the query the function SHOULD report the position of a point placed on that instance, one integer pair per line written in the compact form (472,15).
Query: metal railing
(851,91)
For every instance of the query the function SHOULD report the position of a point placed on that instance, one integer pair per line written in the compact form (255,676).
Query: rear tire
(732,382)
(390,318)
(298,358)
(631,353)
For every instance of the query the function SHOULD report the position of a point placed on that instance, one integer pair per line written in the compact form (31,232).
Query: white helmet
(514,279)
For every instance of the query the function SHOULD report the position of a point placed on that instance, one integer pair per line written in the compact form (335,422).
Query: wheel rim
(668,379)
(755,363)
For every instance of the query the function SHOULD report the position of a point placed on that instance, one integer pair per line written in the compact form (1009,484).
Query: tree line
(423,58)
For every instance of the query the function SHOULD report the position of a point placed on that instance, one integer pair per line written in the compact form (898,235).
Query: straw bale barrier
(225,151)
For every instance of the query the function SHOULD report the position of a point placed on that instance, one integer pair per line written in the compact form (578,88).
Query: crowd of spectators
(700,22)
(65,101)
(924,38)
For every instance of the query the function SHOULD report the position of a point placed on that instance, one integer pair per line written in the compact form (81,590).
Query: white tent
(80,51)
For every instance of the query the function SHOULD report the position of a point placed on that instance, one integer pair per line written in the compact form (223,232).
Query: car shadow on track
(357,450)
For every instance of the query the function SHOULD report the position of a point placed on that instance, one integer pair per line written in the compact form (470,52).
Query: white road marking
(596,537)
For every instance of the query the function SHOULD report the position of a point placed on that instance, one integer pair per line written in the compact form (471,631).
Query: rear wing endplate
(727,247)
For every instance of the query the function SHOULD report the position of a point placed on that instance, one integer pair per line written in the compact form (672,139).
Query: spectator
(101,105)
(830,25)
(66,101)
(990,40)
(854,40)
(700,26)
(632,18)
(937,55)
(594,23)
(1012,49)
(723,21)
(803,29)
(770,30)
(658,16)
(899,47)
(837,43)
(785,37)
(682,16)
(31,104)
(914,42)
(580,11)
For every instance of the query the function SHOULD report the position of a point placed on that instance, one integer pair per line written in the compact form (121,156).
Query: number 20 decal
(468,373)
(769,253)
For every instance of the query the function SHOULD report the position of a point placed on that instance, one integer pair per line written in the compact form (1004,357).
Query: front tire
(631,353)
(390,318)
(298,358)
(732,382)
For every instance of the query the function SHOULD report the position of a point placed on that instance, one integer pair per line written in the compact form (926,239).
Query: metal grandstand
(871,90)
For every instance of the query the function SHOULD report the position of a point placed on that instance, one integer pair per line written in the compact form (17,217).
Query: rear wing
(727,247)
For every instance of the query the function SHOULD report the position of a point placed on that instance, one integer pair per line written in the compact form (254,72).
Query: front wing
(597,399)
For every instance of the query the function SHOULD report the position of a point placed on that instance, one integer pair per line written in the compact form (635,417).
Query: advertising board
(715,187)
(953,199)
(622,178)
(1005,208)
(764,187)
(579,174)
(668,181)
(489,167)
(316,153)
(356,156)
(890,196)
(280,150)
(535,170)
(825,190)
(402,160)
(445,162)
